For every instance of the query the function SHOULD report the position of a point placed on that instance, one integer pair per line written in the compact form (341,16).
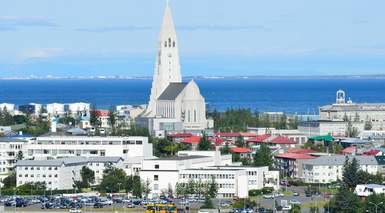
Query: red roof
(102,112)
(228,134)
(372,152)
(181,135)
(192,140)
(349,150)
(301,151)
(282,140)
(294,156)
(259,138)
(240,150)
(247,134)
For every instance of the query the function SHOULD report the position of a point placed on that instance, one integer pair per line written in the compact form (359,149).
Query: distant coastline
(246,77)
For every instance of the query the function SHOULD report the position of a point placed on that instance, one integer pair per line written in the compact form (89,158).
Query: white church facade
(174,105)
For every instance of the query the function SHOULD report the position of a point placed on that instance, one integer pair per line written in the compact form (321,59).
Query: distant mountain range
(299,77)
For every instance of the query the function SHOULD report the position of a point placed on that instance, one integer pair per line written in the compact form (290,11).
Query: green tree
(240,142)
(350,176)
(112,118)
(213,188)
(114,179)
(295,209)
(10,181)
(345,202)
(191,187)
(204,144)
(263,156)
(225,149)
(369,206)
(181,189)
(368,125)
(88,177)
(137,190)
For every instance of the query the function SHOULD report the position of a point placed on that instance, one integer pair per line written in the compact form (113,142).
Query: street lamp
(376,205)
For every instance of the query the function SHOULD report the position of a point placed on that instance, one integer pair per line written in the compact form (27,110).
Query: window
(138,142)
(156,177)
(156,166)
(125,151)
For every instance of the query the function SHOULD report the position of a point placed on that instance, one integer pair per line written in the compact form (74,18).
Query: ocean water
(291,96)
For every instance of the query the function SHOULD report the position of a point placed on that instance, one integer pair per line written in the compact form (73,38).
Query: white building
(8,107)
(327,127)
(10,149)
(55,109)
(173,105)
(232,181)
(327,169)
(79,109)
(373,113)
(61,173)
(365,190)
(132,149)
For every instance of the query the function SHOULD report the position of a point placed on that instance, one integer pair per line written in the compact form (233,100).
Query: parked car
(75,210)
(296,194)
(295,202)
(98,205)
(286,208)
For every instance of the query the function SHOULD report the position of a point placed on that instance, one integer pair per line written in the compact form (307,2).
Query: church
(174,106)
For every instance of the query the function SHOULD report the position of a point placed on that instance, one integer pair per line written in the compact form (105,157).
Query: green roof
(322,138)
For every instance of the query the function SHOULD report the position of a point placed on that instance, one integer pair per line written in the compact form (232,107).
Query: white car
(106,202)
(286,208)
(295,202)
(75,211)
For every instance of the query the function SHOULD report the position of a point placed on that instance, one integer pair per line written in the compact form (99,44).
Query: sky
(216,37)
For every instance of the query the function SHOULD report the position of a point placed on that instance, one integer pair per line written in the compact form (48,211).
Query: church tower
(167,66)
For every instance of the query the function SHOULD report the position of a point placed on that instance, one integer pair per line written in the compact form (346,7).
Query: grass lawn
(318,204)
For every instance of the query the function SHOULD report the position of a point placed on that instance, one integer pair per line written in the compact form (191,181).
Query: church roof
(172,91)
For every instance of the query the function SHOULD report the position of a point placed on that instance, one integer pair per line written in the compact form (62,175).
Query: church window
(169,42)
(165,44)
(188,115)
(173,44)
(195,115)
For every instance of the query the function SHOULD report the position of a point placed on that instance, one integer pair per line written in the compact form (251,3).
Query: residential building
(336,128)
(60,174)
(365,190)
(31,109)
(132,149)
(79,109)
(233,181)
(328,169)
(104,118)
(8,107)
(10,150)
(290,164)
(55,109)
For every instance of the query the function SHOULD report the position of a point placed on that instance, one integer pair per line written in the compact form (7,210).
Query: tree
(345,202)
(295,209)
(225,149)
(181,189)
(350,176)
(240,142)
(112,118)
(10,181)
(208,204)
(374,199)
(137,190)
(368,125)
(263,156)
(191,187)
(204,144)
(94,117)
(213,188)
(146,187)
(88,177)
(113,180)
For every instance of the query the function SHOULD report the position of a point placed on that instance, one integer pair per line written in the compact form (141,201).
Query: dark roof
(172,91)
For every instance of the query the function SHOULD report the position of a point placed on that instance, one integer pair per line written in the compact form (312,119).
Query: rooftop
(189,157)
(240,150)
(335,160)
(172,91)
(294,156)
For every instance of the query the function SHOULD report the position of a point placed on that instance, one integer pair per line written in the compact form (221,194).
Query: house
(290,164)
(242,152)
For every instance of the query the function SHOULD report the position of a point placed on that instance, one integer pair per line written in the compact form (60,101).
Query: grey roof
(67,161)
(12,139)
(336,160)
(103,159)
(181,157)
(172,91)
(76,131)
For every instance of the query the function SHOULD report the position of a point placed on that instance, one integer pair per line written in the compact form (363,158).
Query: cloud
(11,23)
(113,29)
(42,53)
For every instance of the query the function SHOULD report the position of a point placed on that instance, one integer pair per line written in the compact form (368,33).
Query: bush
(267,190)
(255,192)
(244,203)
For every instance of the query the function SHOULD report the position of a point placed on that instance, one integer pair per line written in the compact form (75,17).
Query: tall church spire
(167,66)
